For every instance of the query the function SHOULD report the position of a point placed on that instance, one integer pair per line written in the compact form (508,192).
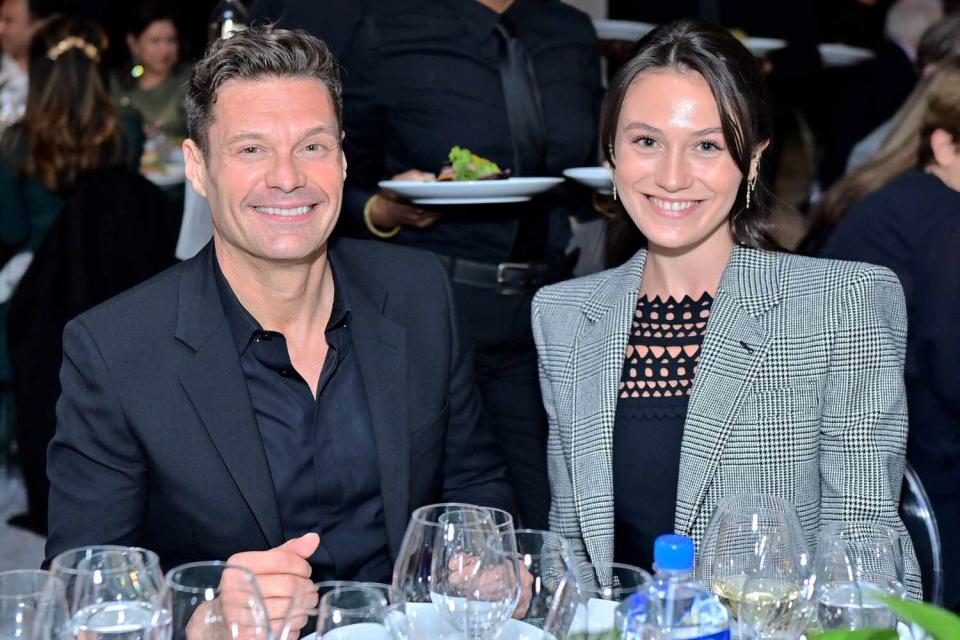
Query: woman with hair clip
(709,363)
(912,226)
(69,132)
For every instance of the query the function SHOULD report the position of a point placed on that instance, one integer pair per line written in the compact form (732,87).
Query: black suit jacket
(157,444)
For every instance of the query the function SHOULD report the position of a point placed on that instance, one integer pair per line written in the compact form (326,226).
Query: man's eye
(249,150)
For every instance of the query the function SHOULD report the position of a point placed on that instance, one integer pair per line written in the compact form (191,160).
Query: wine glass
(347,612)
(304,608)
(755,559)
(475,571)
(550,588)
(215,601)
(32,606)
(70,567)
(616,583)
(857,566)
(115,590)
(442,596)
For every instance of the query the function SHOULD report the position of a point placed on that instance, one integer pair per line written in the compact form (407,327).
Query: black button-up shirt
(424,76)
(321,451)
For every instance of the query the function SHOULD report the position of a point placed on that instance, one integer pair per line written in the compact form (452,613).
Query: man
(19,20)
(515,81)
(279,385)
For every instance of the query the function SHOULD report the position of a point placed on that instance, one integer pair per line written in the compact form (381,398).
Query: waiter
(514,81)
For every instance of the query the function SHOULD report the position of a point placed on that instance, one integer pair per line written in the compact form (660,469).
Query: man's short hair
(43,9)
(256,53)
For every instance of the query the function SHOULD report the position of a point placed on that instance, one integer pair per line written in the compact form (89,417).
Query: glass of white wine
(857,567)
(755,559)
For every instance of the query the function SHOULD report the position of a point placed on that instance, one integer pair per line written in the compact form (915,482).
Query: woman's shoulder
(828,278)
(576,292)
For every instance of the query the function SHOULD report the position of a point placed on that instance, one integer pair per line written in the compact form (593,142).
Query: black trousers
(505,360)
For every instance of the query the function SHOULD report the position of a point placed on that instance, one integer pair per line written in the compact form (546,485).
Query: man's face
(16,28)
(274,169)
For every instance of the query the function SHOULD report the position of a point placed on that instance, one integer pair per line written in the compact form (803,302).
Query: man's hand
(280,572)
(388,211)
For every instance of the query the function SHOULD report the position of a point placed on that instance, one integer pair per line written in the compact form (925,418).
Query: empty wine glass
(115,590)
(755,559)
(302,613)
(475,571)
(446,567)
(215,601)
(550,589)
(32,606)
(857,566)
(348,612)
(614,583)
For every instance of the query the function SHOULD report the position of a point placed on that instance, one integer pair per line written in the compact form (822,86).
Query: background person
(912,226)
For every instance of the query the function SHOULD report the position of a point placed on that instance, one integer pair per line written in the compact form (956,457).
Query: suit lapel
(734,348)
(381,348)
(598,358)
(215,384)
(382,354)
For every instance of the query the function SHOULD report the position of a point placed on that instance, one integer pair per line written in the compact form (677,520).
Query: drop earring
(613,182)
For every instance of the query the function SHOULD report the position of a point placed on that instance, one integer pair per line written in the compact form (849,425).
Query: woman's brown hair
(736,81)
(933,103)
(70,126)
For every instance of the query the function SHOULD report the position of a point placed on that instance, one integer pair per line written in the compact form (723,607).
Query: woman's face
(674,174)
(157,47)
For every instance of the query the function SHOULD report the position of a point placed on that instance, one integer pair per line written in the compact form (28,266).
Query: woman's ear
(944,148)
(755,159)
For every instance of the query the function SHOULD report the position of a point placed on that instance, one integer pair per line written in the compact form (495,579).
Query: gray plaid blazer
(799,393)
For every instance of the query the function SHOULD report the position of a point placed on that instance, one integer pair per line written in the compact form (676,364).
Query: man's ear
(195,166)
(944,148)
(343,156)
(755,159)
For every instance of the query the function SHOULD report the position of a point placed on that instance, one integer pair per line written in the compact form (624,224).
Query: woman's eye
(645,142)
(708,146)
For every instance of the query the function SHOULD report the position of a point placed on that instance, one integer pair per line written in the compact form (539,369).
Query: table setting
(466,572)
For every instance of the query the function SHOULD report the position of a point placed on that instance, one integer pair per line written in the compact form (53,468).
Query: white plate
(426,622)
(842,55)
(470,192)
(762,46)
(597,178)
(622,29)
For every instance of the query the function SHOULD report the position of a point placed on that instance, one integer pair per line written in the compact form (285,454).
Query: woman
(912,226)
(897,155)
(155,84)
(707,364)
(70,129)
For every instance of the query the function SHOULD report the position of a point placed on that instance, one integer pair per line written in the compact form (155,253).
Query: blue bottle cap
(673,553)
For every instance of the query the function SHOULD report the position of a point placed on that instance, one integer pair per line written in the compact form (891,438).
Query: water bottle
(678,605)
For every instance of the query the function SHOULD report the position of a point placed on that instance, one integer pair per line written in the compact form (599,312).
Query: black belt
(508,278)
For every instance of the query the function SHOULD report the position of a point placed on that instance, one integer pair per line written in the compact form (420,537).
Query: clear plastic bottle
(683,609)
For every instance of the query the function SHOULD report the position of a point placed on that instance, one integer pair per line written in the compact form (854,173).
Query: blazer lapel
(215,384)
(598,356)
(381,347)
(734,348)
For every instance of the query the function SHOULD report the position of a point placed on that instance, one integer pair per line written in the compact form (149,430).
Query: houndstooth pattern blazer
(799,393)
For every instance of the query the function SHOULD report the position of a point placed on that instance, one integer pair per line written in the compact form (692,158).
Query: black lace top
(658,371)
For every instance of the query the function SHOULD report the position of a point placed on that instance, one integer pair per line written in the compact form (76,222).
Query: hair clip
(73,42)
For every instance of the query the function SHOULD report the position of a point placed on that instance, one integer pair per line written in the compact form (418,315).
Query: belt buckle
(510,289)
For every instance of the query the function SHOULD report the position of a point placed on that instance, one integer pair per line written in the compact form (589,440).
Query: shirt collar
(244,326)
(480,20)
